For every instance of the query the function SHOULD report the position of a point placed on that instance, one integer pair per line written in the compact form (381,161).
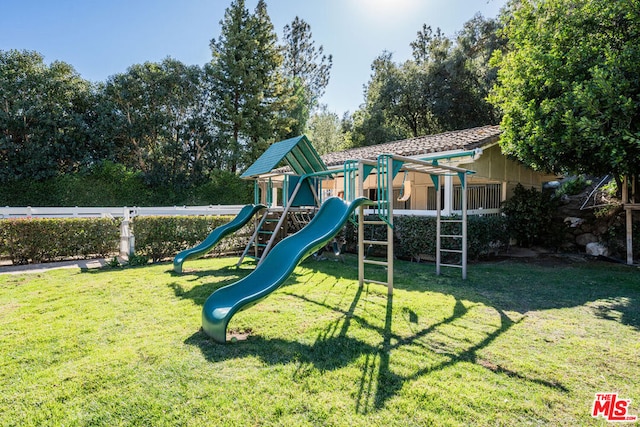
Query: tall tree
(325,132)
(307,67)
(569,85)
(44,117)
(375,122)
(153,116)
(444,87)
(249,97)
(430,46)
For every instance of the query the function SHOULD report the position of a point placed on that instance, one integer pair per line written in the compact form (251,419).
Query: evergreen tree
(307,68)
(249,97)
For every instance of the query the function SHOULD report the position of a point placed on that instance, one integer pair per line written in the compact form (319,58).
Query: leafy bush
(223,188)
(615,238)
(137,260)
(415,236)
(160,237)
(119,186)
(38,240)
(574,186)
(530,218)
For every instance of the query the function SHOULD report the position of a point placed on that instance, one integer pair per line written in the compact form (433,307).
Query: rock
(597,249)
(585,239)
(573,221)
(586,228)
(602,229)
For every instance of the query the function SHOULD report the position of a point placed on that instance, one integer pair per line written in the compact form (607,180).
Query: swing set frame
(387,166)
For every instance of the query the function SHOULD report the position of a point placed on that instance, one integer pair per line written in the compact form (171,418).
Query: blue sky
(102,38)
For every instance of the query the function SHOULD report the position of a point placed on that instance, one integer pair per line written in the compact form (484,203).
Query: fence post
(126,238)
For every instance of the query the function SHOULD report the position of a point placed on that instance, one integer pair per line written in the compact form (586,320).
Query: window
(485,196)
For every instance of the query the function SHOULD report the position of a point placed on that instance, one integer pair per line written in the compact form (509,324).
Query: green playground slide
(245,214)
(276,266)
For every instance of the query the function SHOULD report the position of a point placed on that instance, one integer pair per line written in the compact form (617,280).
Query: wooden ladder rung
(377,282)
(453,236)
(450,265)
(453,251)
(372,222)
(376,242)
(370,261)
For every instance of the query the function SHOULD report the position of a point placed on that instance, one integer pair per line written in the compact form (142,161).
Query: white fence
(127,239)
(115,212)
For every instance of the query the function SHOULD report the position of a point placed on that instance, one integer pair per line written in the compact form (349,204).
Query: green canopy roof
(297,153)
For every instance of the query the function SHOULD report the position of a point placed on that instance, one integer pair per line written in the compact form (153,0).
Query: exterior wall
(494,166)
(492,169)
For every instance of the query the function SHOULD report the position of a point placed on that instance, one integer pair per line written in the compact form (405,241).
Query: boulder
(597,249)
(573,221)
(585,239)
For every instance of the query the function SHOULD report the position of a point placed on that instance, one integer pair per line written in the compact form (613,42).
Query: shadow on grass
(333,349)
(199,293)
(522,288)
(510,289)
(230,273)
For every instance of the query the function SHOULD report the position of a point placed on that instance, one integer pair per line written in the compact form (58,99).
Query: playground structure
(303,205)
(243,217)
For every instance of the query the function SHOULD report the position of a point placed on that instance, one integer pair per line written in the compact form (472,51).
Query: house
(476,149)
(461,172)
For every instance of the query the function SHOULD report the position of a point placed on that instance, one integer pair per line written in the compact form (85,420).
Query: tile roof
(466,139)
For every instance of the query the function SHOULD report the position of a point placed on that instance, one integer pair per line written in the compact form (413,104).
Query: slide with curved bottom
(245,214)
(276,267)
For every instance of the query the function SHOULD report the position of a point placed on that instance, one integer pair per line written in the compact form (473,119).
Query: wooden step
(450,265)
(377,282)
(453,251)
(370,261)
(376,242)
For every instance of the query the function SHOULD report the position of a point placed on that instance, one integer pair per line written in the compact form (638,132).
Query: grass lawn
(516,344)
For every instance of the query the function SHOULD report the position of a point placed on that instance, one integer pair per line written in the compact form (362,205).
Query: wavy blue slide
(276,267)
(245,214)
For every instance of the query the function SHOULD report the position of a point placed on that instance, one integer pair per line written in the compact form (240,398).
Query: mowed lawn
(515,344)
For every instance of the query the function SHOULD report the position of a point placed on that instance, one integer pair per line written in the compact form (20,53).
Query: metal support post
(390,225)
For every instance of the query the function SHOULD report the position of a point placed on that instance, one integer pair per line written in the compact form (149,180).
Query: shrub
(415,236)
(573,186)
(160,237)
(223,188)
(119,186)
(38,240)
(530,218)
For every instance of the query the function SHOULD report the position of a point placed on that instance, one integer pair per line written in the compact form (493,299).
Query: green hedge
(40,240)
(415,236)
(110,184)
(160,237)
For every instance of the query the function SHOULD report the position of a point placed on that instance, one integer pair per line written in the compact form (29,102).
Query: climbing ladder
(265,230)
(254,240)
(452,243)
(384,211)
